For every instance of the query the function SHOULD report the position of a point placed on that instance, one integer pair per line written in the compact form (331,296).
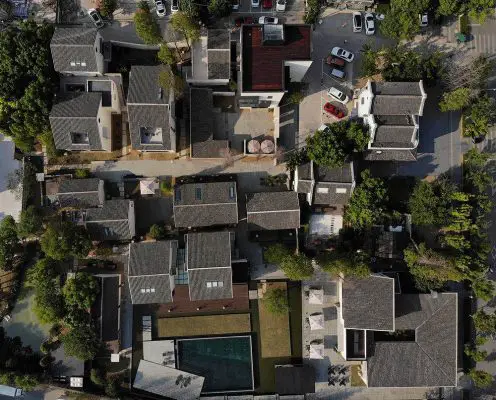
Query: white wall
(105,127)
(298,69)
(274,97)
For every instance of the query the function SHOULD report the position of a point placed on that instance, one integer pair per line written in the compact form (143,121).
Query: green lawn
(204,325)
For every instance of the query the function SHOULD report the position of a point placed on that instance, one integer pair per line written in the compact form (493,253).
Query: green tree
(166,55)
(30,222)
(402,21)
(186,26)
(479,10)
(481,379)
(113,385)
(295,158)
(168,80)
(97,377)
(107,7)
(448,7)
(334,145)
(26,382)
(297,267)
(352,264)
(276,253)
(82,343)
(220,8)
(156,232)
(189,7)
(476,177)
(64,240)
(479,117)
(81,291)
(9,242)
(429,203)
(474,353)
(367,202)
(82,173)
(369,61)
(276,301)
(146,25)
(484,323)
(455,100)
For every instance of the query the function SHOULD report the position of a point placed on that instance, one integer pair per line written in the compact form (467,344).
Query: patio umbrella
(316,296)
(316,321)
(317,350)
(148,186)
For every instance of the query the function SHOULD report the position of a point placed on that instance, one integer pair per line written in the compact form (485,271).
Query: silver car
(342,53)
(95,17)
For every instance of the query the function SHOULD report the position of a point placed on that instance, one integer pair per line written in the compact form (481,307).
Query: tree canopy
(366,205)
(186,26)
(27,82)
(220,8)
(402,19)
(429,202)
(81,291)
(9,242)
(296,266)
(63,240)
(146,25)
(334,145)
(82,343)
(479,117)
(30,222)
(107,7)
(455,99)
(350,263)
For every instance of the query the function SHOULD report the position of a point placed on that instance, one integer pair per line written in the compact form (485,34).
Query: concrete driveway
(335,30)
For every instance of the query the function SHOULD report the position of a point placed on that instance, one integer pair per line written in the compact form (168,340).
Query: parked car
(369,24)
(235,4)
(267,4)
(335,61)
(423,20)
(337,73)
(255,3)
(160,8)
(333,110)
(268,20)
(357,21)
(243,20)
(342,53)
(174,6)
(281,5)
(96,18)
(338,95)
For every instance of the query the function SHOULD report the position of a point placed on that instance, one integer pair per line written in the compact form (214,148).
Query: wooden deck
(183,305)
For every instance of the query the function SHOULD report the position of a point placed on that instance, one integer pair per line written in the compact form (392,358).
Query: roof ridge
(425,352)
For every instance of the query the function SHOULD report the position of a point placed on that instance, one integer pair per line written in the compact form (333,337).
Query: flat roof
(263,63)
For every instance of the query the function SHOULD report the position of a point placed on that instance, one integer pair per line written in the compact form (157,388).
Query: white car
(423,20)
(235,4)
(160,8)
(268,20)
(174,6)
(281,5)
(338,95)
(369,24)
(342,53)
(95,17)
(255,3)
(357,21)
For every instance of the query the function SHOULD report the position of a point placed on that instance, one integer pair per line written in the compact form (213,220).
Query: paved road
(483,38)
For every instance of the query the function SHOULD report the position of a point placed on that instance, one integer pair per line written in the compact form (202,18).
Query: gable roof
(368,303)
(205,204)
(333,185)
(395,136)
(74,45)
(218,54)
(148,106)
(149,270)
(80,192)
(112,221)
(208,259)
(262,64)
(76,113)
(391,155)
(397,98)
(431,360)
(273,210)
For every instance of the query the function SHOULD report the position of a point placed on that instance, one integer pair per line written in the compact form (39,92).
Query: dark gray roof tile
(219,64)
(152,258)
(150,289)
(273,210)
(218,39)
(79,185)
(111,222)
(144,87)
(208,250)
(394,136)
(74,44)
(391,155)
(397,88)
(396,105)
(200,289)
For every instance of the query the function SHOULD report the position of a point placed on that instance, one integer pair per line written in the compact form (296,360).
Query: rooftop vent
(273,34)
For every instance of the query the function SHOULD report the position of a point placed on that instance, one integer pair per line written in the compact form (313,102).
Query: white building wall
(104,119)
(297,69)
(274,97)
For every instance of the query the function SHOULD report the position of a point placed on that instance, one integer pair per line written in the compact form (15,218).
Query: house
(78,51)
(205,140)
(400,340)
(211,58)
(82,122)
(151,271)
(208,263)
(272,56)
(114,221)
(77,193)
(205,204)
(391,110)
(273,211)
(151,111)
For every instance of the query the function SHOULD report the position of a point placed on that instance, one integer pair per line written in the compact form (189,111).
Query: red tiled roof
(263,65)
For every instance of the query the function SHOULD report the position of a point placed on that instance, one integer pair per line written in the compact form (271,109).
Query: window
(215,284)
(231,193)
(80,138)
(323,190)
(83,64)
(150,135)
(147,290)
(78,63)
(198,193)
(341,190)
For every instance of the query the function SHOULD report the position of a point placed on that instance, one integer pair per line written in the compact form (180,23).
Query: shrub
(481,379)
(82,173)
(96,377)
(276,301)
(156,232)
(146,25)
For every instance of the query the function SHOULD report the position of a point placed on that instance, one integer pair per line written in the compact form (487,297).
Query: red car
(338,62)
(267,4)
(333,110)
(243,21)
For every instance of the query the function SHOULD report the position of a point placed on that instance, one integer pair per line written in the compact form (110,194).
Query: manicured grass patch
(204,325)
(274,328)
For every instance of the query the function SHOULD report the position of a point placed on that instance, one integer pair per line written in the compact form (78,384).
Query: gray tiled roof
(429,361)
(342,174)
(394,136)
(273,210)
(110,222)
(74,44)
(218,39)
(215,207)
(397,88)
(369,303)
(326,193)
(79,193)
(396,105)
(209,259)
(148,106)
(391,155)
(150,265)
(219,64)
(76,113)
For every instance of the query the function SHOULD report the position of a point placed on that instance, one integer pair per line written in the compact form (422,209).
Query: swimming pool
(225,362)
